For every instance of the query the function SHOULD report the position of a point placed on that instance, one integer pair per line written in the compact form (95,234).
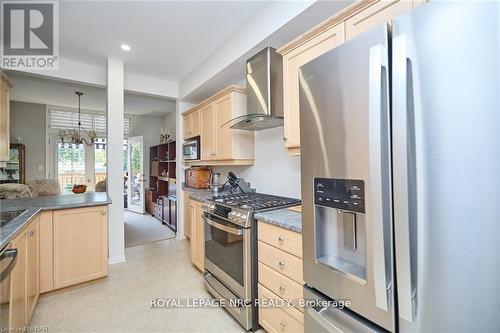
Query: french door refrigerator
(400,173)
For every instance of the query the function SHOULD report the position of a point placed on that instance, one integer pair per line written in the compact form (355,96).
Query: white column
(115,106)
(181,107)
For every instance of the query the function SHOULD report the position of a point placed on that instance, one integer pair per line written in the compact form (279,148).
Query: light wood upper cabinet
(25,288)
(224,137)
(376,14)
(207,133)
(197,236)
(191,124)
(80,245)
(221,145)
(357,18)
(5,86)
(291,64)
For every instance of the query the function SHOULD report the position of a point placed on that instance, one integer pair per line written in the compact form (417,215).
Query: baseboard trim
(116,260)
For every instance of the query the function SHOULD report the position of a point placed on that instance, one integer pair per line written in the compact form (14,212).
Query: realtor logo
(29,38)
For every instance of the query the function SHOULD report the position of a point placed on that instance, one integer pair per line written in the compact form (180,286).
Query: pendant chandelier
(78,135)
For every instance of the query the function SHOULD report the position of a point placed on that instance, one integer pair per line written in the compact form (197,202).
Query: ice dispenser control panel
(346,194)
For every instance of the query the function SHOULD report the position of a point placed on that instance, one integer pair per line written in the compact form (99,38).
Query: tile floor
(121,302)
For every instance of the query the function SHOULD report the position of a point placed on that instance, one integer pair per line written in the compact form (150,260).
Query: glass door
(135,186)
(70,167)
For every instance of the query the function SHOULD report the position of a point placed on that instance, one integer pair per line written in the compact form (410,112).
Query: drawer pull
(281,264)
(281,239)
(283,325)
(282,290)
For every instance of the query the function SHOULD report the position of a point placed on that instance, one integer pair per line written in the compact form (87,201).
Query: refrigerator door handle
(406,293)
(379,157)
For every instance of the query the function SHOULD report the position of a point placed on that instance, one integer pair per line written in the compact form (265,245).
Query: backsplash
(274,171)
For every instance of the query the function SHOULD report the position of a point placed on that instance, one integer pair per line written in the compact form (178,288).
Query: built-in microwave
(191,149)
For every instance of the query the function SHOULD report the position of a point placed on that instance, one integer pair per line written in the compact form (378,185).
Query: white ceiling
(168,38)
(235,72)
(39,90)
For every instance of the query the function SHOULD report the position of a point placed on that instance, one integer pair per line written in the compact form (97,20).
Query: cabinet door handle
(283,325)
(281,264)
(282,290)
(285,138)
(104,212)
(281,239)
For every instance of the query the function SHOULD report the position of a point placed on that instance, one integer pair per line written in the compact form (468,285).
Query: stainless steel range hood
(264,92)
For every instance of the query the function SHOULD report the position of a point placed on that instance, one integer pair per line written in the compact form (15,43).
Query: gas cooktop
(255,201)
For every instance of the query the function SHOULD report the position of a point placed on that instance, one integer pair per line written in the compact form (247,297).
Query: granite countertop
(34,205)
(284,218)
(202,194)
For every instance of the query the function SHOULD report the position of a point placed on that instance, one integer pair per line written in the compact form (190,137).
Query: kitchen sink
(6,217)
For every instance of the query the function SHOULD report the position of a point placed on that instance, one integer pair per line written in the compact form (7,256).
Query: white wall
(181,107)
(75,71)
(149,128)
(274,171)
(28,121)
(170,124)
(115,101)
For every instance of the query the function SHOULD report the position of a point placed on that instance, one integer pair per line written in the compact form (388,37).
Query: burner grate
(256,201)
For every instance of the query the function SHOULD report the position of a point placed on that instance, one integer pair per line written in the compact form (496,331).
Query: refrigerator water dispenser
(339,222)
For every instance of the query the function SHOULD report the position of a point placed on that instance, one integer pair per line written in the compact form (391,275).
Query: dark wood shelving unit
(161,197)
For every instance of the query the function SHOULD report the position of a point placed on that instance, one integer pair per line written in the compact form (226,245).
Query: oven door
(227,254)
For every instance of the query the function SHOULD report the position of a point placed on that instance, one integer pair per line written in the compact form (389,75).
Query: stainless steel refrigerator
(400,163)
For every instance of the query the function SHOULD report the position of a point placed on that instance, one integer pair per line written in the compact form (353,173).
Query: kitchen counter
(35,205)
(284,218)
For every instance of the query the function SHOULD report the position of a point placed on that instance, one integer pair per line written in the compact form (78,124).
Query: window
(79,164)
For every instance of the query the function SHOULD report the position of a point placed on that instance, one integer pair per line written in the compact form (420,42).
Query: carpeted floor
(142,229)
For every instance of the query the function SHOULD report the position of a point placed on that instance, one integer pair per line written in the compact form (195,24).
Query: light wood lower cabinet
(46,252)
(25,288)
(18,304)
(197,236)
(187,214)
(80,245)
(280,277)
(32,267)
(275,319)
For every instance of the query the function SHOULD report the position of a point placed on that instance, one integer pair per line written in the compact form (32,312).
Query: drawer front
(283,239)
(275,319)
(280,285)
(282,262)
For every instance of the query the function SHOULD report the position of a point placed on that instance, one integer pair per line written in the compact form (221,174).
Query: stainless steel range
(231,250)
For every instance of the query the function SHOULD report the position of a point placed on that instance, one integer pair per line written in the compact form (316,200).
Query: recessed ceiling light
(125,47)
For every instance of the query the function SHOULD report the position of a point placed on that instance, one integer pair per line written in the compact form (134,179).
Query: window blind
(60,119)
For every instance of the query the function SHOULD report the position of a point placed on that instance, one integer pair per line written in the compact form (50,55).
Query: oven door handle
(11,253)
(223,227)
